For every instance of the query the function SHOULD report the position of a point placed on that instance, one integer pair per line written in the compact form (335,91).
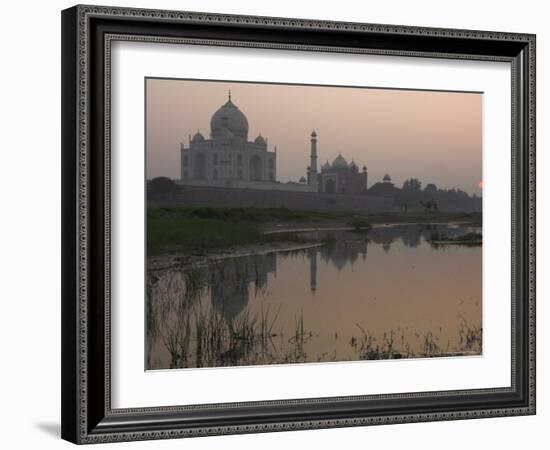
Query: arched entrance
(255,168)
(329,186)
(200,166)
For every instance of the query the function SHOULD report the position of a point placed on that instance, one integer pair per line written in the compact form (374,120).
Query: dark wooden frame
(87,31)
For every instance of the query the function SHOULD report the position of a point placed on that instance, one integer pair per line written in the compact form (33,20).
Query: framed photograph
(278,224)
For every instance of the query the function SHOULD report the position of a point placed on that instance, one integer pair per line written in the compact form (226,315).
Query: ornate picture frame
(88,33)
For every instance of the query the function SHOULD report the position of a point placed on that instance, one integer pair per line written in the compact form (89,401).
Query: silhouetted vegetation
(393,344)
(411,196)
(429,205)
(161,185)
(199,336)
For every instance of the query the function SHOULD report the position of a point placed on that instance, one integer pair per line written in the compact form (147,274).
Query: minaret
(313,164)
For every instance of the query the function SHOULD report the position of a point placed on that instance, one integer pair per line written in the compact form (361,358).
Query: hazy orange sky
(433,136)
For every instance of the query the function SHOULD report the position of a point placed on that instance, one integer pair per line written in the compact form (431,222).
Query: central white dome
(229,117)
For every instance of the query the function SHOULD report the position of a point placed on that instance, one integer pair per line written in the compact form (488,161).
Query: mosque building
(229,159)
(342,178)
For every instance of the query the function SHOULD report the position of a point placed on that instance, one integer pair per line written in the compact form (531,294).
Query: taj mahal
(229,159)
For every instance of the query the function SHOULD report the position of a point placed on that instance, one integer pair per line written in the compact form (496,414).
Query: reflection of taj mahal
(235,279)
(229,159)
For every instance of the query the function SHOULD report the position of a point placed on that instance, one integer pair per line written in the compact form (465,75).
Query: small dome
(340,162)
(198,137)
(313,134)
(260,140)
(229,116)
(352,165)
(386,179)
(302,180)
(326,166)
(364,168)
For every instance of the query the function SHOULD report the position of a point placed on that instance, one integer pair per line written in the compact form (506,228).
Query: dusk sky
(433,136)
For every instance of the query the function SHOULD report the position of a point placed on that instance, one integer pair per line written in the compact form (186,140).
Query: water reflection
(351,298)
(230,281)
(313,269)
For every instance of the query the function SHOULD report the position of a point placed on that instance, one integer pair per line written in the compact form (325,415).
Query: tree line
(431,198)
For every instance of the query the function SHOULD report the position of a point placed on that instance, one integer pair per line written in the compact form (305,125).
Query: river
(389,293)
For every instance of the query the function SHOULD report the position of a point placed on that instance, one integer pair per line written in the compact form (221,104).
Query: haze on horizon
(433,136)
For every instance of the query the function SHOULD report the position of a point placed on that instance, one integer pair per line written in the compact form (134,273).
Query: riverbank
(186,235)
(472,239)
(165,261)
